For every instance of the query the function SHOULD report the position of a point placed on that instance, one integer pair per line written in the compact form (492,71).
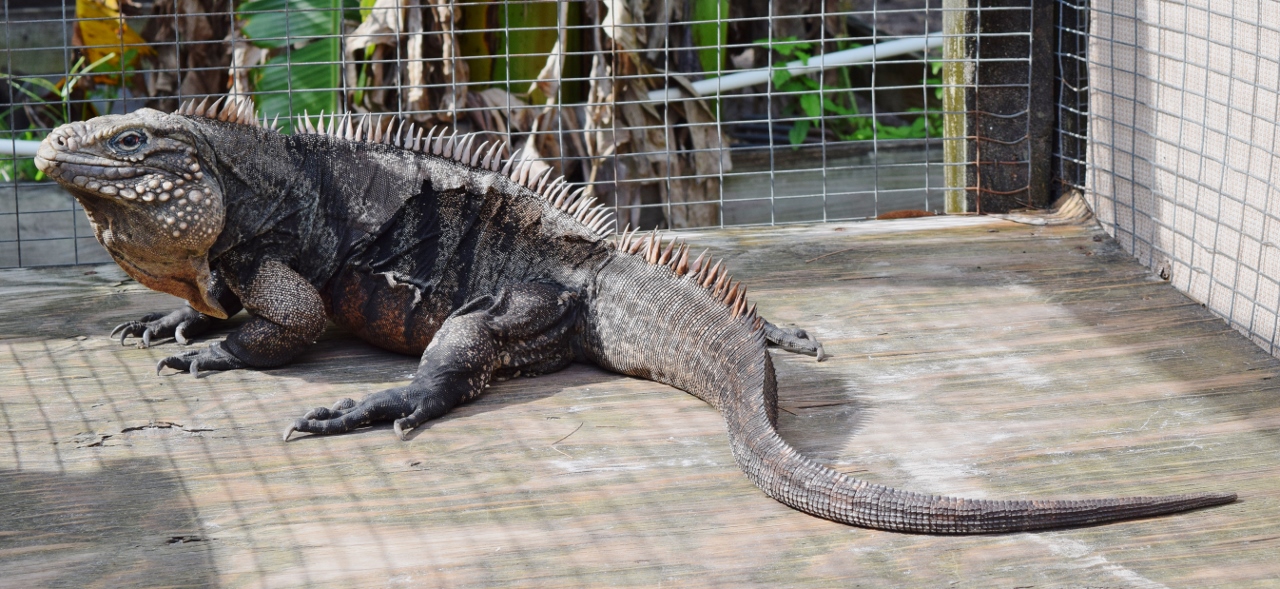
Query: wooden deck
(971,356)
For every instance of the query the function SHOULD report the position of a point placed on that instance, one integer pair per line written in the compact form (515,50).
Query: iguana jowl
(433,246)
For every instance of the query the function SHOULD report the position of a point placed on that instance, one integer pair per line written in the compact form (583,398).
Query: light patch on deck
(1084,556)
(589,465)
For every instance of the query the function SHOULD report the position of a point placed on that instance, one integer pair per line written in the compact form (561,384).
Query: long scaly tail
(672,324)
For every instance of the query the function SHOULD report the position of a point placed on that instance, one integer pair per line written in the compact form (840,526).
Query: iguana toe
(347,414)
(136,328)
(337,410)
(178,361)
(410,422)
(213,357)
(179,333)
(180,325)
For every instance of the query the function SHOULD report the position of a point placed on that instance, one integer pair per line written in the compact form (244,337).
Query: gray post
(1008,104)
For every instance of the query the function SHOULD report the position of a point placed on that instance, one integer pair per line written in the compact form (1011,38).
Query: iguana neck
(309,200)
(262,184)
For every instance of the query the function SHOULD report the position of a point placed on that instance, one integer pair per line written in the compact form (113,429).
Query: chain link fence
(678,113)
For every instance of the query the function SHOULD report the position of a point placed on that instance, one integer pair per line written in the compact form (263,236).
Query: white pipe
(19,147)
(752,77)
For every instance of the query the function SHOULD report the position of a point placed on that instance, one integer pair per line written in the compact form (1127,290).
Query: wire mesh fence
(1181,160)
(678,113)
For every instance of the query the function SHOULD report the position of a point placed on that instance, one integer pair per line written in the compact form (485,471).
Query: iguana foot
(409,406)
(213,357)
(794,339)
(524,329)
(180,325)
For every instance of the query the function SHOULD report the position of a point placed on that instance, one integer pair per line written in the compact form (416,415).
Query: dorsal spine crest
(520,169)
(555,190)
(714,279)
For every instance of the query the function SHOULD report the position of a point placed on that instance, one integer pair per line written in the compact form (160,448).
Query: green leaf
(300,80)
(811,105)
(799,131)
(283,20)
(521,53)
(29,93)
(864,130)
(780,76)
(712,34)
(783,45)
(104,65)
(831,106)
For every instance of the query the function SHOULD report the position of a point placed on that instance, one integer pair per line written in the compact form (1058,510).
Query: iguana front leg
(180,324)
(524,329)
(287,316)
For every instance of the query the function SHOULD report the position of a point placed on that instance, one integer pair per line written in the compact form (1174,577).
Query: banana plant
(304,73)
(711,33)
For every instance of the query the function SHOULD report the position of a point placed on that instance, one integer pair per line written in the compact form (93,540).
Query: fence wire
(641,101)
(1181,158)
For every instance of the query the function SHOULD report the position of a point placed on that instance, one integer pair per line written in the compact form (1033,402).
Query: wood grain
(970,356)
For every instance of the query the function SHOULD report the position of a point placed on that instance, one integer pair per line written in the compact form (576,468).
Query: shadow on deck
(972,356)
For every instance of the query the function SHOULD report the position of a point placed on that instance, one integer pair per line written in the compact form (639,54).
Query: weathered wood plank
(971,356)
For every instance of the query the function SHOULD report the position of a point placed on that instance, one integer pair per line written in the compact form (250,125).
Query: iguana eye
(129,141)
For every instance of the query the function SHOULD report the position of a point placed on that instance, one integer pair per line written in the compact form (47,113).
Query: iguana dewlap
(436,245)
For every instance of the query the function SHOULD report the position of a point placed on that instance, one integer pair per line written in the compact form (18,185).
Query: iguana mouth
(87,174)
(81,174)
(82,170)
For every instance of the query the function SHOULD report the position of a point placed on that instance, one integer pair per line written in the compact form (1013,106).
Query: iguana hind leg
(525,329)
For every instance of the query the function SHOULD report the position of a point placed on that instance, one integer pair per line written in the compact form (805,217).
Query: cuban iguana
(432,245)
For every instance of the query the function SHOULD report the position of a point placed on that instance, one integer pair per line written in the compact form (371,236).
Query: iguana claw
(142,327)
(213,357)
(171,361)
(178,324)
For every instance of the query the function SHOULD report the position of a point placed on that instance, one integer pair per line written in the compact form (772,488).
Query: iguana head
(142,180)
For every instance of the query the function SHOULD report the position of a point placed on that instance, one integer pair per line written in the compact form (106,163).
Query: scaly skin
(425,247)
